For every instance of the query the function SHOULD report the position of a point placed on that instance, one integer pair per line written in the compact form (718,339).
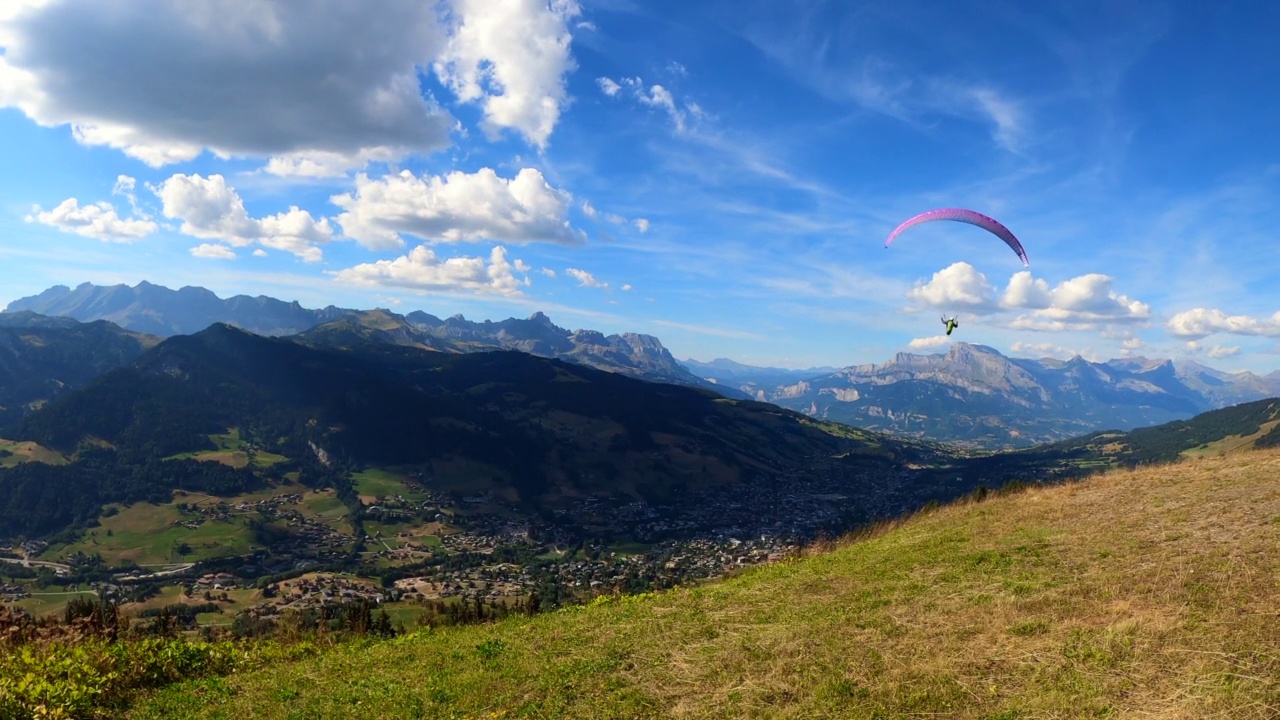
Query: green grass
(325,507)
(231,451)
(50,600)
(1147,593)
(146,534)
(1231,443)
(376,482)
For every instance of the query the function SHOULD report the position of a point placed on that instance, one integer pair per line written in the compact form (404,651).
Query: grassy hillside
(1136,593)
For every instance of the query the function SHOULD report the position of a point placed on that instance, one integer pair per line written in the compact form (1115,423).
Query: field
(1232,443)
(375,483)
(147,535)
(51,601)
(233,451)
(27,451)
(1147,593)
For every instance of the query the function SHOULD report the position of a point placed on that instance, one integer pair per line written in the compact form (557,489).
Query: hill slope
(42,358)
(1149,592)
(530,430)
(632,354)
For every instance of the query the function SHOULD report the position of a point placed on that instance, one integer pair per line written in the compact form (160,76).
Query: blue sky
(719,174)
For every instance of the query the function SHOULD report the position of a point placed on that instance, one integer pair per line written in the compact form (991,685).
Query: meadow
(1134,593)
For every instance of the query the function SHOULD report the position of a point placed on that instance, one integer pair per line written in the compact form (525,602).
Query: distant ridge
(975,396)
(158,310)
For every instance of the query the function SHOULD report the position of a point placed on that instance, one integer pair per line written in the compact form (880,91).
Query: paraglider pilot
(951,323)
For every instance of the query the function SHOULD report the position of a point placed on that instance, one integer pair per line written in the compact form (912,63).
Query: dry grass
(27,451)
(1146,594)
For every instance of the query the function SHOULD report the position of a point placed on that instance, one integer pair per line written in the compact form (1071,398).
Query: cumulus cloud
(511,56)
(210,209)
(1082,302)
(327,80)
(260,253)
(958,286)
(98,220)
(608,86)
(1130,346)
(626,288)
(641,224)
(928,342)
(1220,351)
(424,271)
(1025,292)
(585,279)
(1203,322)
(548,272)
(456,207)
(213,251)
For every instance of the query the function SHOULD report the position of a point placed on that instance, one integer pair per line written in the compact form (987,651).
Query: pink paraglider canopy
(991,225)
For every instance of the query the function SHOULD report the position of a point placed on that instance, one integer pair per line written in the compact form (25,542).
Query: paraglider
(991,225)
(951,323)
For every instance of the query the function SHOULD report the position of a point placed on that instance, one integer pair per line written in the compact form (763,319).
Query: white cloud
(626,288)
(709,330)
(928,342)
(423,271)
(958,286)
(98,220)
(588,210)
(1025,292)
(641,224)
(607,86)
(1202,322)
(212,210)
(511,56)
(548,272)
(124,187)
(918,100)
(655,96)
(457,207)
(213,251)
(1005,113)
(658,97)
(585,279)
(615,219)
(1081,303)
(1050,350)
(320,164)
(1220,351)
(260,253)
(188,75)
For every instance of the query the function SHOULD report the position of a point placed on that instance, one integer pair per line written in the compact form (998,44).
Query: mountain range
(160,311)
(971,395)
